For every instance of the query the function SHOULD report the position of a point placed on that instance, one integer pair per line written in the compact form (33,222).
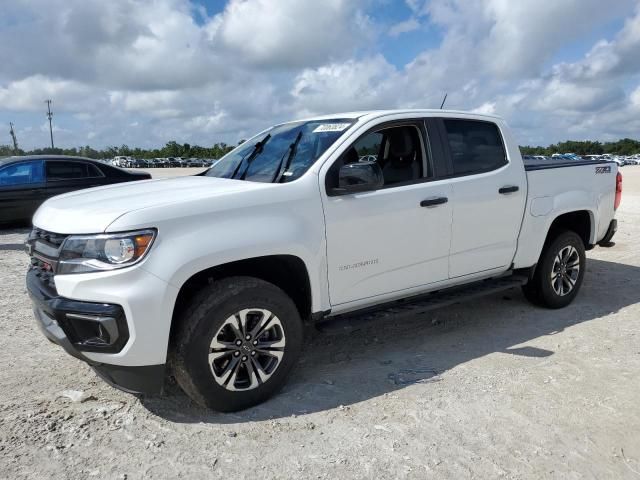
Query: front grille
(44,260)
(53,239)
(44,271)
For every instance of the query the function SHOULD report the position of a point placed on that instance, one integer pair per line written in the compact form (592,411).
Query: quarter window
(475,146)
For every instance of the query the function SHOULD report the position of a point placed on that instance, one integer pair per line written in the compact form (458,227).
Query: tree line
(625,146)
(171,149)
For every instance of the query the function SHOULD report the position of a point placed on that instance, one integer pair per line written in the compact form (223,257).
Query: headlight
(91,253)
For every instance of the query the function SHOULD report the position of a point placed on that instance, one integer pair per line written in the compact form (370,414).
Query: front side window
(397,150)
(22,173)
(282,153)
(476,146)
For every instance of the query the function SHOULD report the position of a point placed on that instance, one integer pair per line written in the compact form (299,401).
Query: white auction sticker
(331,127)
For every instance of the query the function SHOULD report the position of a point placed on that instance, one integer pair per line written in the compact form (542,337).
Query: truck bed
(555,187)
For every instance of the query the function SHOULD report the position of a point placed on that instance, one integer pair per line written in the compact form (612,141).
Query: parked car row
(169,162)
(619,159)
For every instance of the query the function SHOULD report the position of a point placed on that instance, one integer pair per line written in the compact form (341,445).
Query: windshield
(282,153)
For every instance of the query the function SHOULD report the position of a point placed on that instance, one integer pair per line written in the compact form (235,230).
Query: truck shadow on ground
(342,369)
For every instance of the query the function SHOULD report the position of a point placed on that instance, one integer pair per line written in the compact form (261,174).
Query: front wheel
(237,344)
(559,272)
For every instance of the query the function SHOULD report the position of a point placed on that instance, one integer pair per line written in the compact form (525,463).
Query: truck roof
(371,114)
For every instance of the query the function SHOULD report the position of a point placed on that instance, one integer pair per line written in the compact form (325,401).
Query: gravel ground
(493,389)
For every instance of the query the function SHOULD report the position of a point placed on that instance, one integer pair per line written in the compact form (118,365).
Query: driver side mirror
(358,177)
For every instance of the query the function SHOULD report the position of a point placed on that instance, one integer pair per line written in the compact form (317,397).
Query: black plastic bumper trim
(50,312)
(147,379)
(611,231)
(52,330)
(47,304)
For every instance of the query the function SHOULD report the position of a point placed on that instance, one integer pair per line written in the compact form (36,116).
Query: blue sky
(143,73)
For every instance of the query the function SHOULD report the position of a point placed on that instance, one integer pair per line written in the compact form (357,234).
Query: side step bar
(421,304)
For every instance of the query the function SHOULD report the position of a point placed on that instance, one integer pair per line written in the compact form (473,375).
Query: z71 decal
(606,169)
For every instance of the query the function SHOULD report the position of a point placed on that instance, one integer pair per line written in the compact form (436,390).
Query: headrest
(401,143)
(351,156)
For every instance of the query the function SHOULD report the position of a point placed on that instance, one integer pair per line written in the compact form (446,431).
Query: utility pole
(49,115)
(13,136)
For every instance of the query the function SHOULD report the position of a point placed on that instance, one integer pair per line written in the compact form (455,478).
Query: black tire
(208,314)
(541,289)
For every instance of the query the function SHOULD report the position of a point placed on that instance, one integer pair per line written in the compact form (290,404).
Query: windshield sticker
(331,127)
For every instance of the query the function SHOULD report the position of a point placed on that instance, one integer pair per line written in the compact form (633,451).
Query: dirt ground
(492,389)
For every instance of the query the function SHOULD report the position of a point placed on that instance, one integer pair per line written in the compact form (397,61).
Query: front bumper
(70,323)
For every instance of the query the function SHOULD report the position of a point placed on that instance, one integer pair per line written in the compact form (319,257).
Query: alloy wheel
(247,349)
(565,270)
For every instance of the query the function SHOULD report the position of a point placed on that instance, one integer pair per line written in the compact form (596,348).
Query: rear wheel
(237,345)
(559,272)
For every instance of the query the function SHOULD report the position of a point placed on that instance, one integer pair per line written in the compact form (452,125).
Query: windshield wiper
(280,171)
(257,149)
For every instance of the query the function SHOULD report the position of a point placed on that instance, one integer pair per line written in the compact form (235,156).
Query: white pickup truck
(212,277)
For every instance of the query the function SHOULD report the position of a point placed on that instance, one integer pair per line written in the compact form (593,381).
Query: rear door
(488,196)
(68,175)
(22,190)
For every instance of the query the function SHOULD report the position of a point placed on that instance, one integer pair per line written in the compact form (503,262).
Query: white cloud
(608,59)
(351,85)
(635,98)
(487,108)
(29,94)
(290,33)
(161,103)
(111,65)
(525,34)
(558,95)
(408,25)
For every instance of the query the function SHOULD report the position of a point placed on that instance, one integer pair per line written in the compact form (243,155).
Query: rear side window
(94,171)
(22,173)
(475,146)
(70,170)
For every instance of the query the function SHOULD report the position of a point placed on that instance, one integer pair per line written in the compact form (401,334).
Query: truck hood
(93,210)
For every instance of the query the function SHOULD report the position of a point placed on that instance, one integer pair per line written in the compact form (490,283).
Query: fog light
(94,330)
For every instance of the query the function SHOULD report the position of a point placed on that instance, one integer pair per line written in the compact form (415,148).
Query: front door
(392,239)
(22,190)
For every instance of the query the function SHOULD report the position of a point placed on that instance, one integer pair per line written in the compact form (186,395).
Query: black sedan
(26,182)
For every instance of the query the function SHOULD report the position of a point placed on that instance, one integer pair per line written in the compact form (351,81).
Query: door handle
(510,189)
(433,202)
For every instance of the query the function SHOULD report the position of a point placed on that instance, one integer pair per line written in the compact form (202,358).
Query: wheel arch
(287,272)
(579,221)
